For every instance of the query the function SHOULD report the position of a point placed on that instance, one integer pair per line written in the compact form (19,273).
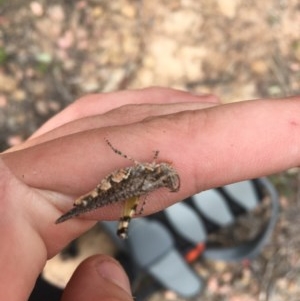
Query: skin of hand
(208,144)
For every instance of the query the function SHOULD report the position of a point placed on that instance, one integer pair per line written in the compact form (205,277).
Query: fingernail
(114,273)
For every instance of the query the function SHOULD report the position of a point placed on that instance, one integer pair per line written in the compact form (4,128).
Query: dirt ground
(53,52)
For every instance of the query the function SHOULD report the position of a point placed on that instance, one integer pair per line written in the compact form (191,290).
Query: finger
(120,116)
(208,148)
(98,278)
(100,103)
(232,137)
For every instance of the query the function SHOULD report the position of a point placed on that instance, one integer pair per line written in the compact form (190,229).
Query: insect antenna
(118,152)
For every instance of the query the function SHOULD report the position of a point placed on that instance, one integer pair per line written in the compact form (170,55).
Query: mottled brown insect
(128,185)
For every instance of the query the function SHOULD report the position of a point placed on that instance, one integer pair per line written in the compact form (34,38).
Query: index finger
(208,148)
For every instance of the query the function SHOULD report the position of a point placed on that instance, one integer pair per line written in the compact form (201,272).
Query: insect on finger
(126,185)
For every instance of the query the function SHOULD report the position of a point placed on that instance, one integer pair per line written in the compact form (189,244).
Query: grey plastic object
(211,204)
(187,222)
(252,248)
(243,193)
(152,248)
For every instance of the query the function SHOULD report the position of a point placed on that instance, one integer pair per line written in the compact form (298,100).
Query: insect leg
(129,210)
(141,209)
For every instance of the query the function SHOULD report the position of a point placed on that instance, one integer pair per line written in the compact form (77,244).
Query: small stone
(259,67)
(56,13)
(228,8)
(227,277)
(19,95)
(128,11)
(91,85)
(7,83)
(169,295)
(14,140)
(55,106)
(213,284)
(36,8)
(243,297)
(220,266)
(3,101)
(42,107)
(66,41)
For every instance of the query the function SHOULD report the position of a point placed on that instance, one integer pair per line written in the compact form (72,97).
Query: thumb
(98,278)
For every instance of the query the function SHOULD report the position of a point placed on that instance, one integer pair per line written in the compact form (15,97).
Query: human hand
(209,145)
